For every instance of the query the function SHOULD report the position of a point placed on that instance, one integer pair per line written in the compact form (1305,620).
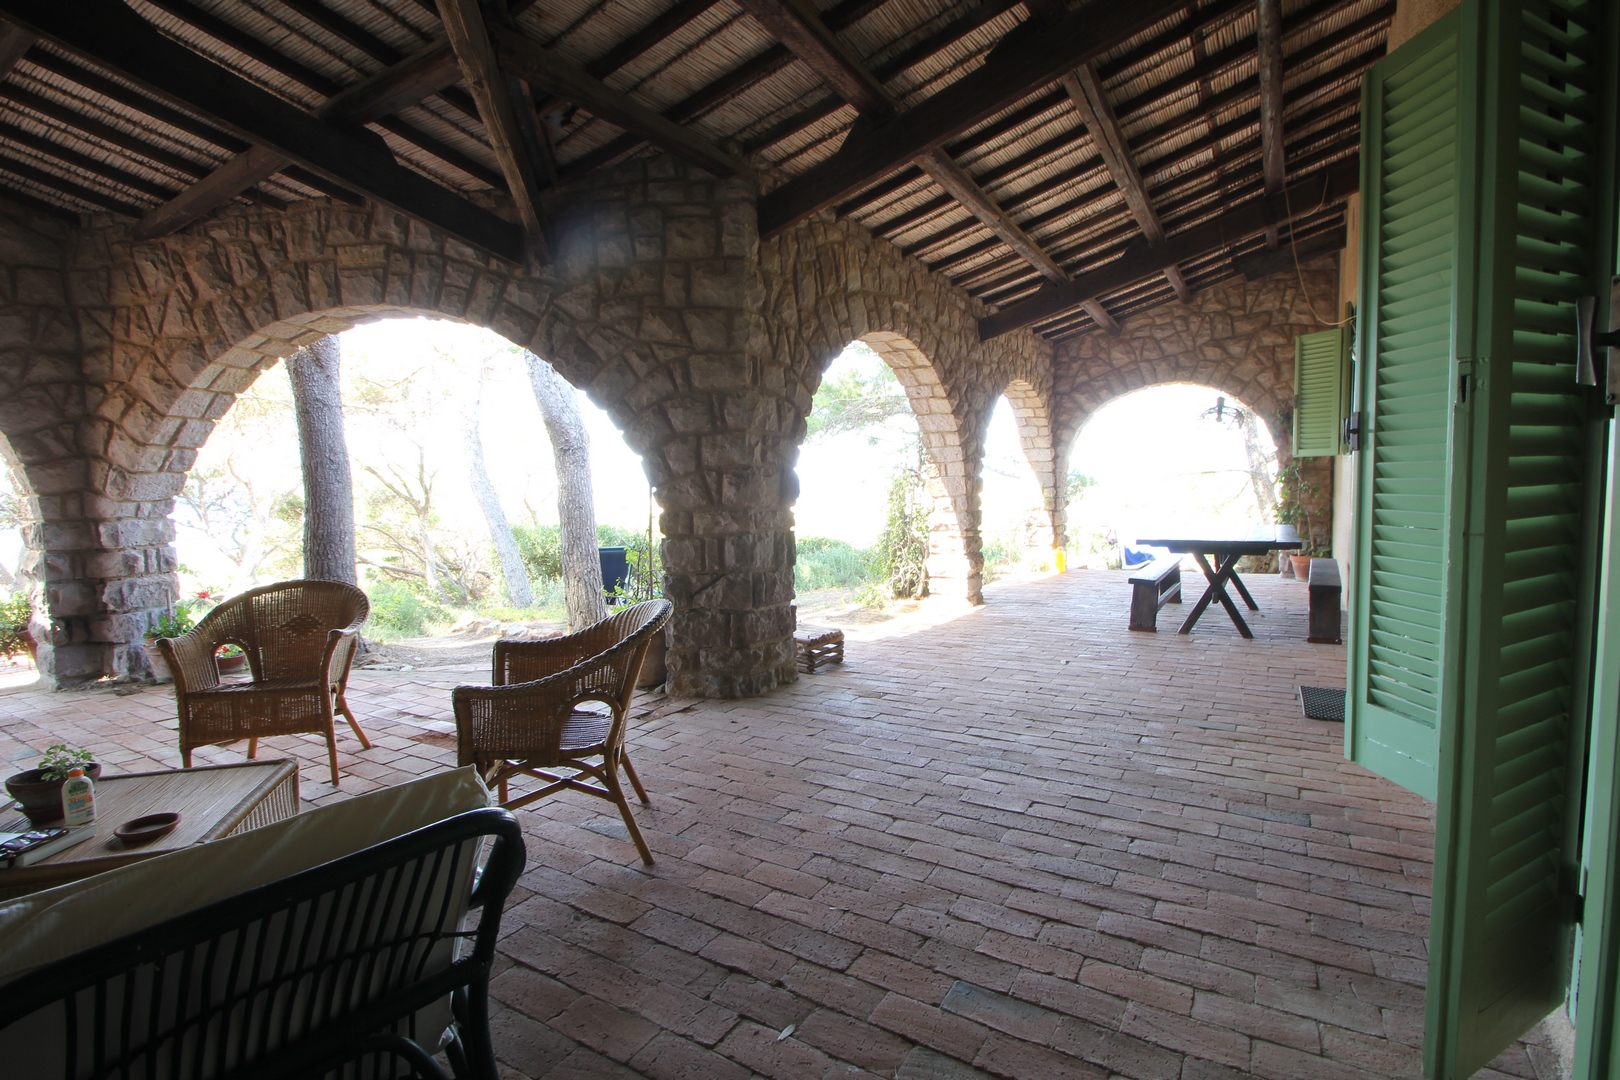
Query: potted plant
(39,791)
(230,659)
(166,626)
(1294,508)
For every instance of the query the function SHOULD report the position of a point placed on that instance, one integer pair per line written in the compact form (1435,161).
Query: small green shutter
(1398,628)
(1318,382)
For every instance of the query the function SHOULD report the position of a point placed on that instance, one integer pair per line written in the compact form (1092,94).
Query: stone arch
(650,304)
(1034,420)
(828,283)
(954,567)
(1236,337)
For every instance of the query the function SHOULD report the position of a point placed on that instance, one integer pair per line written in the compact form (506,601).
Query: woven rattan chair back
(343,970)
(300,638)
(529,721)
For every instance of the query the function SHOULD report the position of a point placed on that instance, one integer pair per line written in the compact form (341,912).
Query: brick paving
(1013,841)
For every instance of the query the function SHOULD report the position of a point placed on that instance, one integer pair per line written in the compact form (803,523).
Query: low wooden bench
(818,646)
(1326,588)
(1153,586)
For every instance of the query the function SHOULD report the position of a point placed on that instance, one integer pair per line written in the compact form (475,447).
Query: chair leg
(253,749)
(331,751)
(185,756)
(343,707)
(612,776)
(635,781)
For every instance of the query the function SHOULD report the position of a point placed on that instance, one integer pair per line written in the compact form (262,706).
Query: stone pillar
(955,475)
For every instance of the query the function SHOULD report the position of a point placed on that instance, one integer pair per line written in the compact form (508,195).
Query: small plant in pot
(167,626)
(15,637)
(39,791)
(230,659)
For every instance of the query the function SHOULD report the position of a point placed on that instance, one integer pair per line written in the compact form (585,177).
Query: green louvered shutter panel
(1408,259)
(1534,96)
(1318,382)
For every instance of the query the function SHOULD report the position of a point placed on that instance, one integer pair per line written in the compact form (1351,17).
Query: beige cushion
(45,926)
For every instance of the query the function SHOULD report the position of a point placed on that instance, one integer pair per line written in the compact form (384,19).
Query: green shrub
(900,558)
(825,563)
(540,547)
(399,611)
(14,615)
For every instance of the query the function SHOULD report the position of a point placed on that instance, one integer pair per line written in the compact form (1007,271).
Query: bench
(1325,587)
(1153,586)
(818,646)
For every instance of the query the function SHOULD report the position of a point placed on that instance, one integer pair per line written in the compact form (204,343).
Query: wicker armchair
(300,638)
(529,722)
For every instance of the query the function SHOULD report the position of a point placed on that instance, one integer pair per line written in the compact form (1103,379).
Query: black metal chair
(342,970)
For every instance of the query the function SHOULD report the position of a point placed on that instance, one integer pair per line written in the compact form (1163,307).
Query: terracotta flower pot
(654,669)
(231,665)
(40,799)
(154,660)
(1302,566)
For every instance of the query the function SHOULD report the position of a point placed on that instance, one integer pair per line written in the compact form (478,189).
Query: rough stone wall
(660,302)
(1237,337)
(829,283)
(42,403)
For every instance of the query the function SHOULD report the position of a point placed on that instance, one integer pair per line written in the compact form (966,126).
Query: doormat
(1322,702)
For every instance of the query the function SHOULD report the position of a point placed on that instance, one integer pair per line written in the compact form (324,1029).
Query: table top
(1255,542)
(211,800)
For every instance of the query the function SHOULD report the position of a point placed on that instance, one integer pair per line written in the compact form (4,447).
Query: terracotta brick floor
(1016,841)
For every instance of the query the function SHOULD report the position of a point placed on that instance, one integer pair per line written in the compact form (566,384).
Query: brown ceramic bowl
(143,830)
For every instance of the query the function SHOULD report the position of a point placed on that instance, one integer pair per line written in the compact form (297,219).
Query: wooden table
(213,801)
(1226,551)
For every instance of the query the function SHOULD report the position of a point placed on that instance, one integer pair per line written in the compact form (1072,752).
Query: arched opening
(1172,458)
(1016,507)
(440,417)
(884,478)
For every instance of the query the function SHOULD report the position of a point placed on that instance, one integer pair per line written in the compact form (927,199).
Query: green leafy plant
(59,759)
(172,625)
(900,556)
(1294,506)
(14,615)
(230,651)
(825,563)
(399,611)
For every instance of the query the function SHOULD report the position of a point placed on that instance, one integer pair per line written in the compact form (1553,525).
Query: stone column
(955,476)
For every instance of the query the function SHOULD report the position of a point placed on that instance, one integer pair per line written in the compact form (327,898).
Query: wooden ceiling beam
(542,67)
(420,74)
(955,180)
(1034,55)
(1268,39)
(1142,259)
(14,41)
(1100,316)
(503,103)
(114,37)
(797,25)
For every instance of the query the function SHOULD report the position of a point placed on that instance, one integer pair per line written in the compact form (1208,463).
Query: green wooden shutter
(1397,634)
(1531,216)
(1318,383)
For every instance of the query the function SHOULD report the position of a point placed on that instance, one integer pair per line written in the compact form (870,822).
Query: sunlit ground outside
(1173,460)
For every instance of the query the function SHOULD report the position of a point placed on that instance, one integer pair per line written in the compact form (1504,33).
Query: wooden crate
(818,646)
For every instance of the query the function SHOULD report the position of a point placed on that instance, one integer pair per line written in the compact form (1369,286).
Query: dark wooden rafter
(1034,55)
(114,37)
(798,26)
(543,68)
(407,82)
(955,180)
(1090,100)
(1141,259)
(14,41)
(842,71)
(1268,38)
(504,105)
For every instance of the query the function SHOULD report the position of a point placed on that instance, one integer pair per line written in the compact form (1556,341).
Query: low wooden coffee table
(213,801)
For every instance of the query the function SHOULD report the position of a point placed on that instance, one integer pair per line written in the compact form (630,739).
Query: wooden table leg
(1203,601)
(1228,572)
(1242,589)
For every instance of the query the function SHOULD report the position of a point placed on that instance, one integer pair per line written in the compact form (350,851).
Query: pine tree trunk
(576,500)
(513,573)
(328,487)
